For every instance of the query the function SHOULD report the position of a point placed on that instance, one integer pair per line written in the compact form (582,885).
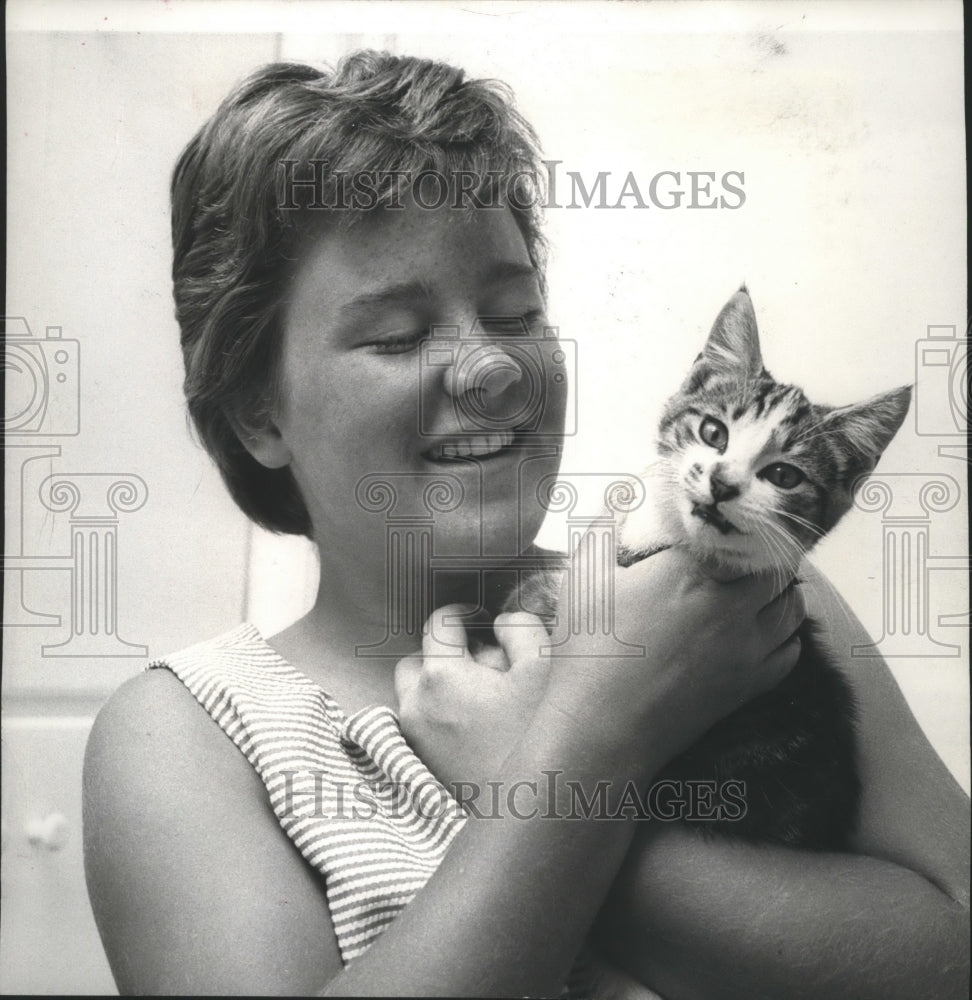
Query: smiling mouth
(709,514)
(473,446)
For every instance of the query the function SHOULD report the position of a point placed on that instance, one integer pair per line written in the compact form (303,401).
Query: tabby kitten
(749,475)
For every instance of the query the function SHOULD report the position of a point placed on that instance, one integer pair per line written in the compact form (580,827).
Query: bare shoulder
(147,732)
(155,754)
(194,885)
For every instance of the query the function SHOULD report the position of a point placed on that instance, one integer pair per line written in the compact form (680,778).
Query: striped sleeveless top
(356,801)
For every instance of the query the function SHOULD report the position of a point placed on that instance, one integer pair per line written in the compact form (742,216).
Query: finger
(718,571)
(674,563)
(522,637)
(761,588)
(683,568)
(407,674)
(493,658)
(444,633)
(782,616)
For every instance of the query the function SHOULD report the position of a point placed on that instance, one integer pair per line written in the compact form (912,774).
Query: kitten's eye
(782,475)
(714,433)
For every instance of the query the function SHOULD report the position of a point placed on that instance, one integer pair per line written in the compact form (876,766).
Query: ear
(263,441)
(867,428)
(733,344)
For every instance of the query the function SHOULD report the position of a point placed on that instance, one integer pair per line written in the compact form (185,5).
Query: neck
(352,638)
(361,604)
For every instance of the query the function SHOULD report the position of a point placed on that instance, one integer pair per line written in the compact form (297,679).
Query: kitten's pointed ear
(866,429)
(733,344)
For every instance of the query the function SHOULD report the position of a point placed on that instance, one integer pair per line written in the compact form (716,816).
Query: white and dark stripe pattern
(349,792)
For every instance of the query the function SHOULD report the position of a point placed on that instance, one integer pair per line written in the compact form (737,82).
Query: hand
(709,647)
(462,712)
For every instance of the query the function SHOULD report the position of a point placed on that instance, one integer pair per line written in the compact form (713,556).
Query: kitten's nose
(721,490)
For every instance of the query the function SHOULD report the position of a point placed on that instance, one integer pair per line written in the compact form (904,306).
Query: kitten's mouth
(710,514)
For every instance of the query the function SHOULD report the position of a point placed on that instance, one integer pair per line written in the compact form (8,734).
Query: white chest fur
(654,523)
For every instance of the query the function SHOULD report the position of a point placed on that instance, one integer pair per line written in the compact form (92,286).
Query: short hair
(236,241)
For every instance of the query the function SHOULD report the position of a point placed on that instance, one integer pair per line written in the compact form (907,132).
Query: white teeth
(473,447)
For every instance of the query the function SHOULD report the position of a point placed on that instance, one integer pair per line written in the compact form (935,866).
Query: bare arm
(696,918)
(196,889)
(194,886)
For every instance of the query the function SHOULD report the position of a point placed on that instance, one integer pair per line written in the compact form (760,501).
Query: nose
(486,370)
(721,489)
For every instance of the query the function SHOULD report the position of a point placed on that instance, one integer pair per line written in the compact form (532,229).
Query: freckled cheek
(331,419)
(304,387)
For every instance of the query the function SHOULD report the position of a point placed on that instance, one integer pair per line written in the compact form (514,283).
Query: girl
(339,239)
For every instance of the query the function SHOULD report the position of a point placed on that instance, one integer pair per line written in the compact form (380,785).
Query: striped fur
(792,749)
(718,501)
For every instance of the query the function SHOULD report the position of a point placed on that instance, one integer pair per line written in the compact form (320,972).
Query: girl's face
(373,389)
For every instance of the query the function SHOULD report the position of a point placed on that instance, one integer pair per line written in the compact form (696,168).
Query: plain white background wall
(846,120)
(95,122)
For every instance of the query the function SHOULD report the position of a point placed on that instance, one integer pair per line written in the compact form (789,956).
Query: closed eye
(511,326)
(399,343)
(783,475)
(496,326)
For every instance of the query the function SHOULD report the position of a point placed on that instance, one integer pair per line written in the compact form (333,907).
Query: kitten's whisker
(833,595)
(790,549)
(814,587)
(828,586)
(773,547)
(802,521)
(796,517)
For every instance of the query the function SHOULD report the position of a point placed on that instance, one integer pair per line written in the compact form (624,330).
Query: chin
(497,534)
(737,553)
(738,560)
